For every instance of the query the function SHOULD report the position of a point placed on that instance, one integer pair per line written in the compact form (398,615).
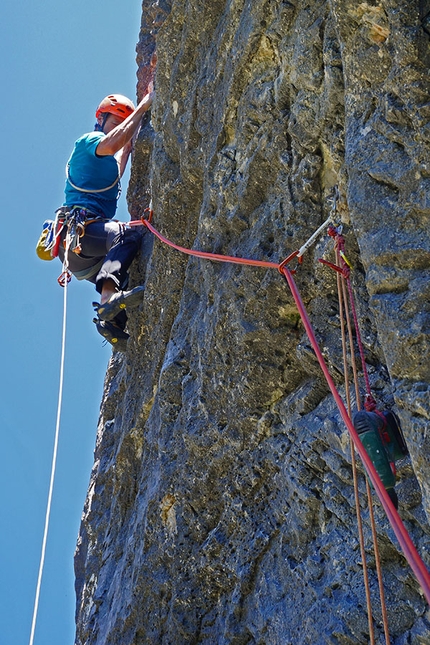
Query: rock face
(221,505)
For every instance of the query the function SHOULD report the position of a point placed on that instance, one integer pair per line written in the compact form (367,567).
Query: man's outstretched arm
(123,133)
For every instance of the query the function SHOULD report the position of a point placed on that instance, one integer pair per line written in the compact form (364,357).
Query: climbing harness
(74,221)
(411,554)
(54,454)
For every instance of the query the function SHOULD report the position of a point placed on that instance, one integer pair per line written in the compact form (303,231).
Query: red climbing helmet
(116,104)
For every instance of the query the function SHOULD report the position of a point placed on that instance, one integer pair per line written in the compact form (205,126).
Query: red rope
(358,339)
(344,269)
(345,317)
(411,554)
(203,254)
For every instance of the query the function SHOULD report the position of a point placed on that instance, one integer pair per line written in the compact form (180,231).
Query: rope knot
(332,231)
(369,403)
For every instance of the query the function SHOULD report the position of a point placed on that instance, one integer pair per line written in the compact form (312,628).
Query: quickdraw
(64,278)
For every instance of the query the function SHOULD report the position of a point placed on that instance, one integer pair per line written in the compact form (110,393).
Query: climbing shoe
(114,335)
(119,301)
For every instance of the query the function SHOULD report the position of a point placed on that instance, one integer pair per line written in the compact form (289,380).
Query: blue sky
(59,59)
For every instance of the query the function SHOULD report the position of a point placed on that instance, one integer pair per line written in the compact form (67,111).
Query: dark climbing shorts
(107,250)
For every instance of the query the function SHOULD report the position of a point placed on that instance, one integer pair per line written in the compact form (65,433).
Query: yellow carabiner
(345,259)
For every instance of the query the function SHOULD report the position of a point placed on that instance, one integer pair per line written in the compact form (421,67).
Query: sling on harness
(96,190)
(75,221)
(93,190)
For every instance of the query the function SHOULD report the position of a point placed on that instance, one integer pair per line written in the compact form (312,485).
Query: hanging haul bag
(383,440)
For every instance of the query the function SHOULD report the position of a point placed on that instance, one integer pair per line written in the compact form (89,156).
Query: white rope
(54,458)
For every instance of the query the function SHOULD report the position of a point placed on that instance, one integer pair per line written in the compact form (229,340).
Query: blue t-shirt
(88,171)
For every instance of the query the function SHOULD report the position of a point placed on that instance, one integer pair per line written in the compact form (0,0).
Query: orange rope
(343,299)
(343,309)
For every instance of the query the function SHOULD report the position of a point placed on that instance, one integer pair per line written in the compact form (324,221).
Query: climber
(101,250)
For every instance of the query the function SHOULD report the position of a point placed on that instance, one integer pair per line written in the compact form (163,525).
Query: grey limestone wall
(220,508)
